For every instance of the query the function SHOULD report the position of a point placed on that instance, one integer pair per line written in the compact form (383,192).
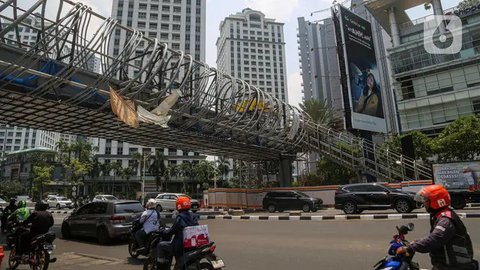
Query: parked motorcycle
(39,255)
(398,261)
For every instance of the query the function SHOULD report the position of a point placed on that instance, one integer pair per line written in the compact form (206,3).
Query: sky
(285,11)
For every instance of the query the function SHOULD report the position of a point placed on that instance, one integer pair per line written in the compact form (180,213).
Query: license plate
(49,247)
(217,264)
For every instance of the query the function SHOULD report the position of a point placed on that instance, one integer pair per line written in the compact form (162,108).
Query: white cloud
(295,88)
(272,9)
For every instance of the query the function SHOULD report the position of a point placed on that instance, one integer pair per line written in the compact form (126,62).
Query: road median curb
(329,217)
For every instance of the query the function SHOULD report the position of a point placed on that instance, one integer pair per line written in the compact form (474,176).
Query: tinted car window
(302,194)
(355,188)
(85,210)
(99,208)
(376,188)
(272,195)
(128,208)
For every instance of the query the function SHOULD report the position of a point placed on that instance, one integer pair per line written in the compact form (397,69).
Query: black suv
(290,200)
(355,198)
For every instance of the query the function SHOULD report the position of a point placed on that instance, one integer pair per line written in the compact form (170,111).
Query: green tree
(116,167)
(223,166)
(10,189)
(127,173)
(94,173)
(186,170)
(330,173)
(205,171)
(459,141)
(43,176)
(322,113)
(157,168)
(468,3)
(78,170)
(424,145)
(105,169)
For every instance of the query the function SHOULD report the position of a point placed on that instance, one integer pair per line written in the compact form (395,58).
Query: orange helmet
(183,203)
(437,195)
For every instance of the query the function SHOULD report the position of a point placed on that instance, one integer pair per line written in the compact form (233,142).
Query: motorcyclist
(9,209)
(150,221)
(166,249)
(448,243)
(21,214)
(41,221)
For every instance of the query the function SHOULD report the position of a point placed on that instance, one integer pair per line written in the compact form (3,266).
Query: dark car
(355,198)
(103,220)
(290,200)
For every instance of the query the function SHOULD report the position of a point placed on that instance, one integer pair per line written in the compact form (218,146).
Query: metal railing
(146,71)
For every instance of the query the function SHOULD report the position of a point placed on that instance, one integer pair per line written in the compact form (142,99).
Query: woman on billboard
(370,101)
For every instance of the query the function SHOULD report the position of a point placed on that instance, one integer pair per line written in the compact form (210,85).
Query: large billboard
(458,175)
(363,94)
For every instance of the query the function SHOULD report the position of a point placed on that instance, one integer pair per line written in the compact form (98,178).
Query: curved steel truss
(215,113)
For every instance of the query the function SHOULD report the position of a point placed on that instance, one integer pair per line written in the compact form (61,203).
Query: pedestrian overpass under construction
(45,85)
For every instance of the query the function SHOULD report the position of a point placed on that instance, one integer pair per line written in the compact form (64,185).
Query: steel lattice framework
(45,84)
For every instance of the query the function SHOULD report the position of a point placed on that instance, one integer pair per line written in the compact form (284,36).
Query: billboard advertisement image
(365,93)
(458,175)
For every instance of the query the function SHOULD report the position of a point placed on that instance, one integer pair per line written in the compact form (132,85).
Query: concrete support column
(285,170)
(438,10)
(394,27)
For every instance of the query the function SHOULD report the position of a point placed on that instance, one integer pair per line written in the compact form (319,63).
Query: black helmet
(13,200)
(40,206)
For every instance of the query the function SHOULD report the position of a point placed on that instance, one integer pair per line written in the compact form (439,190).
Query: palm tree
(105,169)
(171,170)
(116,167)
(126,173)
(322,113)
(186,170)
(223,166)
(94,173)
(157,168)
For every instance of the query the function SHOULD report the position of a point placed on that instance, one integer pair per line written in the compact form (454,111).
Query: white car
(167,201)
(104,198)
(59,202)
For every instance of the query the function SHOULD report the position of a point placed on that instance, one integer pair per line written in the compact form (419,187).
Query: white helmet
(151,203)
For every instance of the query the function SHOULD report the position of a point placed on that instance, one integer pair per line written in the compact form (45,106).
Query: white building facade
(252,48)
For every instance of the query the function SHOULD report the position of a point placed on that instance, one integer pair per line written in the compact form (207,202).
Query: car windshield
(128,208)
(23,198)
(110,198)
(302,194)
(62,199)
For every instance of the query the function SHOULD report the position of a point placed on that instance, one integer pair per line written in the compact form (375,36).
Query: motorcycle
(14,229)
(133,248)
(40,250)
(201,258)
(398,261)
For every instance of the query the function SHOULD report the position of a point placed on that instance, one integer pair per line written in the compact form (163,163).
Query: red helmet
(183,203)
(437,195)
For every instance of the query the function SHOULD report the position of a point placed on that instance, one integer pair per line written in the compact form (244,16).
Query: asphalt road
(349,244)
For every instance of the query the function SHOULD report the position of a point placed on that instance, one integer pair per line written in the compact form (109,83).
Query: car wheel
(102,236)
(159,208)
(271,208)
(402,206)
(350,208)
(306,208)
(66,231)
(58,206)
